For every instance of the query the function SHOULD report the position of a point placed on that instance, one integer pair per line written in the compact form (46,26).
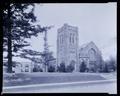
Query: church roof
(88,44)
(83,45)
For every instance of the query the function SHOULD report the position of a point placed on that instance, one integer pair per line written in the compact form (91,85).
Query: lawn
(40,78)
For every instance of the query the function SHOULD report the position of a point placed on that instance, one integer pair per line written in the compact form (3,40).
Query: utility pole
(45,51)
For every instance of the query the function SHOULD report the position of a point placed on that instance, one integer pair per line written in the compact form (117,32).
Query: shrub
(70,68)
(35,69)
(40,70)
(51,69)
(106,68)
(100,68)
(62,68)
(110,65)
(93,69)
(83,67)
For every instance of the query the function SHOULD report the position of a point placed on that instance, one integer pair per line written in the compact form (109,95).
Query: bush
(110,65)
(62,68)
(70,68)
(106,68)
(100,68)
(40,70)
(93,69)
(83,67)
(35,69)
(51,69)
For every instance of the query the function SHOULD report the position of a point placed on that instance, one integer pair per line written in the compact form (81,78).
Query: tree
(30,55)
(112,64)
(100,68)
(83,67)
(106,68)
(47,57)
(18,25)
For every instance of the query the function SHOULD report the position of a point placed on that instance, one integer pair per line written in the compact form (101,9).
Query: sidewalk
(100,86)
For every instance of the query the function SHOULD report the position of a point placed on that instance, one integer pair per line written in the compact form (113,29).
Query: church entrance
(93,67)
(92,62)
(83,67)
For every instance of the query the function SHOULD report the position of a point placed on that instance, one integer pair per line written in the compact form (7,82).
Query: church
(69,52)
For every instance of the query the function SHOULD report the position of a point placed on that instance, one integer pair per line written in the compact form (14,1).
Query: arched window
(62,39)
(92,54)
(70,38)
(73,38)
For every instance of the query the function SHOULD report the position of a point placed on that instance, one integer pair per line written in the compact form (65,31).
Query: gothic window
(62,38)
(70,38)
(59,39)
(73,38)
(92,54)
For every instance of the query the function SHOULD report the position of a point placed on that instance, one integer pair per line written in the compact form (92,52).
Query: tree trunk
(9,42)
(9,54)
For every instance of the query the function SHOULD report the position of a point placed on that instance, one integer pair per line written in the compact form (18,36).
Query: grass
(40,78)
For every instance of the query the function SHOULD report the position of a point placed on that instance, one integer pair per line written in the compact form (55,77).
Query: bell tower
(67,46)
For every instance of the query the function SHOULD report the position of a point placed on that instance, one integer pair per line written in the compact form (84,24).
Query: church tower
(67,46)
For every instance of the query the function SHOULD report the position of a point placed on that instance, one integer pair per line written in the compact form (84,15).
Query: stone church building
(69,52)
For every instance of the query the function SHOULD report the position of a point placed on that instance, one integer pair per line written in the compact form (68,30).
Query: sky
(95,21)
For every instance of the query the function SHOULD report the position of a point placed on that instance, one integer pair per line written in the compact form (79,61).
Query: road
(99,87)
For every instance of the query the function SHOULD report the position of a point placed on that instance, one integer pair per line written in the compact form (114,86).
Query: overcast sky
(95,22)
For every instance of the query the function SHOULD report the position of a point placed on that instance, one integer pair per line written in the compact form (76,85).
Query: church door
(92,60)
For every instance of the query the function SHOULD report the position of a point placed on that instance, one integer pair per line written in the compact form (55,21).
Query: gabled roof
(91,43)
(86,44)
(83,46)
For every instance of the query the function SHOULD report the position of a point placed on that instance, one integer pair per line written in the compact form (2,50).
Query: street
(100,87)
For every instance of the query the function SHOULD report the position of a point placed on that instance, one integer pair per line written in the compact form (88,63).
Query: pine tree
(31,55)
(18,25)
